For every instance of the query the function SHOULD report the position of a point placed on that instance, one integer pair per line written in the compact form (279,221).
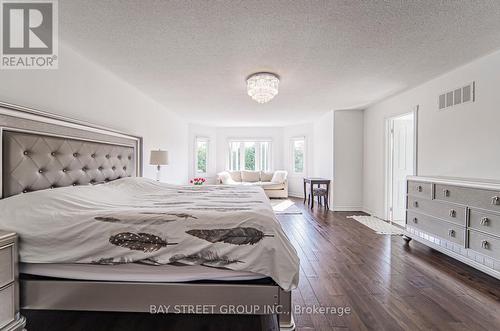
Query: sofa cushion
(271,186)
(266,176)
(250,176)
(279,177)
(235,175)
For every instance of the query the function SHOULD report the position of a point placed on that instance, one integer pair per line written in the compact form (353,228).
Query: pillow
(250,176)
(279,177)
(235,175)
(266,176)
(225,178)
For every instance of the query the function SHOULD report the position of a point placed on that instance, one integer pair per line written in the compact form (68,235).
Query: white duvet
(140,220)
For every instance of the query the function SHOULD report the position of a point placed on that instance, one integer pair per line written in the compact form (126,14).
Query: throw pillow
(266,176)
(225,178)
(235,175)
(250,176)
(279,177)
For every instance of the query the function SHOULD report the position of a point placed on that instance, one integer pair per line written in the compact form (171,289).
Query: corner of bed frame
(79,295)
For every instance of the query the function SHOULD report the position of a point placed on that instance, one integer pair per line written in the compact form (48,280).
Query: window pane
(201,156)
(298,156)
(264,156)
(249,156)
(234,156)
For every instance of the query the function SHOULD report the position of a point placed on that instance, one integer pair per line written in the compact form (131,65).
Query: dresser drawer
(7,263)
(484,244)
(449,212)
(484,199)
(420,189)
(7,312)
(442,229)
(484,221)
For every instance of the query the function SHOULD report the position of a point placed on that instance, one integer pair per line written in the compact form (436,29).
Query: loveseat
(274,183)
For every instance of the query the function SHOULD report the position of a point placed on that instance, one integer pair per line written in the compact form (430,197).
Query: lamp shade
(158,157)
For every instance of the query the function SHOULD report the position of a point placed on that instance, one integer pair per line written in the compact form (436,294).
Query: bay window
(249,155)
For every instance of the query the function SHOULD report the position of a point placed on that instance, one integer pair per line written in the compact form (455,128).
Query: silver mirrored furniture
(10,316)
(457,216)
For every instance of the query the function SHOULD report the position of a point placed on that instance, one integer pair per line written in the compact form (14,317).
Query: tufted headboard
(61,155)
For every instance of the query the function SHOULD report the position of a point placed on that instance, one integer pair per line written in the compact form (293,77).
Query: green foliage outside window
(250,158)
(202,158)
(299,161)
(298,156)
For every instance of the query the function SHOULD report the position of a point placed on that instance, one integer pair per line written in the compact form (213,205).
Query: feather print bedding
(140,220)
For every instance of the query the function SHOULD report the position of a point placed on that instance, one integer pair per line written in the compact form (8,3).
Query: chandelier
(262,86)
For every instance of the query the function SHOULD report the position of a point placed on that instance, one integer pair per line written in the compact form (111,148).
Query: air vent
(457,96)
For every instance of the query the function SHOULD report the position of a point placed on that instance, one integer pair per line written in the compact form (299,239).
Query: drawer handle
(451,233)
(453,213)
(419,188)
(495,200)
(415,204)
(485,244)
(484,221)
(446,193)
(415,220)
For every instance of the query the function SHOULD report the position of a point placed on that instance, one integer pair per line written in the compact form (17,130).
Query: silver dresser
(459,217)
(10,318)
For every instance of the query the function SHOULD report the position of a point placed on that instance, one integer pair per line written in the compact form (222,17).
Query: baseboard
(295,194)
(347,208)
(366,210)
(369,212)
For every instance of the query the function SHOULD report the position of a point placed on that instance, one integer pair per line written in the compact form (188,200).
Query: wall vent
(457,96)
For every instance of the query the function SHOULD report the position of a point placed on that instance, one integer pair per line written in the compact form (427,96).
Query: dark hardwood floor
(386,285)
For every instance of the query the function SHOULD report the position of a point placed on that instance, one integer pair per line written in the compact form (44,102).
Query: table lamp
(158,158)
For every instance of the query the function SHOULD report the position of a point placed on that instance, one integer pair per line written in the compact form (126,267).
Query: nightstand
(10,318)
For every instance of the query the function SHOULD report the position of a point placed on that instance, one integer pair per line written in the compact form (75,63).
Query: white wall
(225,133)
(295,182)
(348,160)
(211,134)
(462,141)
(338,155)
(323,150)
(86,91)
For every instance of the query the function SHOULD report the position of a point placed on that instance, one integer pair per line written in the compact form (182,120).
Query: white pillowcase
(279,177)
(225,178)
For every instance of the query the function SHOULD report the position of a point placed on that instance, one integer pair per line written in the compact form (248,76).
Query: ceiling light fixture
(262,86)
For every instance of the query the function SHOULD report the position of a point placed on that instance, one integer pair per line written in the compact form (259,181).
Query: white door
(402,163)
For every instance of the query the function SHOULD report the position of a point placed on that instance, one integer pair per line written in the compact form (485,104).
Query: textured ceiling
(193,56)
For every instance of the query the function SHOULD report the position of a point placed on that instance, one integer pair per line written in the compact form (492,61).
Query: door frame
(389,156)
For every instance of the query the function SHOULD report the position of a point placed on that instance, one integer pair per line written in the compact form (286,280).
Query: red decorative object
(198,181)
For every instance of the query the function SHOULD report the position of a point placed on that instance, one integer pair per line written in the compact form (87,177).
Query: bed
(95,236)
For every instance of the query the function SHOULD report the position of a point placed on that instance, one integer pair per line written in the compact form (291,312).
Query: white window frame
(242,142)
(195,165)
(292,155)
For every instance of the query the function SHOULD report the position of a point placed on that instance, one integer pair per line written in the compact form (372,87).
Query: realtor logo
(29,34)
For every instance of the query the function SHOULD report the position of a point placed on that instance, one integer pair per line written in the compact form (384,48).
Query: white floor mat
(378,225)
(284,207)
